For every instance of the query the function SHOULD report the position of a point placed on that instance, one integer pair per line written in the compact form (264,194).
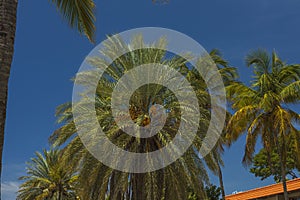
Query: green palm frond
(79,14)
(260,60)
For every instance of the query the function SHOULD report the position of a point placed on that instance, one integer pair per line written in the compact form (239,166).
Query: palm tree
(262,109)
(49,178)
(79,15)
(215,162)
(173,182)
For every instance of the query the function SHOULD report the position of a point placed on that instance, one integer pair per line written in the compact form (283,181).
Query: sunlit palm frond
(79,14)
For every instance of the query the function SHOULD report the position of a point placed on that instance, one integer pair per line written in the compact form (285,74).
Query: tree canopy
(266,165)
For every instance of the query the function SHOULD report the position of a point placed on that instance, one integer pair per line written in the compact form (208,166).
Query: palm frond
(79,14)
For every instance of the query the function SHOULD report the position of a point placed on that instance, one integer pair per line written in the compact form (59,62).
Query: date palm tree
(263,109)
(78,13)
(98,181)
(49,178)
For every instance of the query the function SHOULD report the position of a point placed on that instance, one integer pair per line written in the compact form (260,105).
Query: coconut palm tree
(262,109)
(229,75)
(173,182)
(49,178)
(79,15)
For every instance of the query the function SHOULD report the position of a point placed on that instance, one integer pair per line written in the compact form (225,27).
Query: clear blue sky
(48,54)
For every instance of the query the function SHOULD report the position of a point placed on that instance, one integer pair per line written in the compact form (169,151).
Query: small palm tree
(49,178)
(262,109)
(214,161)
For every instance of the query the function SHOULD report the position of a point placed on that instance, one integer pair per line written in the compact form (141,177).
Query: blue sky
(48,54)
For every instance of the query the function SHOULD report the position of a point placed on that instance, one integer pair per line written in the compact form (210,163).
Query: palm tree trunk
(283,175)
(221,181)
(8,16)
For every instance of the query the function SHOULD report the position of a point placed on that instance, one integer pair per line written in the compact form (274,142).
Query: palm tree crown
(263,108)
(173,182)
(49,178)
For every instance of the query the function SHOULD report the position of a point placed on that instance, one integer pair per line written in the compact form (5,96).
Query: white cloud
(9,190)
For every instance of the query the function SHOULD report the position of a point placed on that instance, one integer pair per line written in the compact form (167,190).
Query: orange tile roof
(265,191)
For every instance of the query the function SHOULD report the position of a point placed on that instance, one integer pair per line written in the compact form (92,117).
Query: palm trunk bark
(8,16)
(283,176)
(221,182)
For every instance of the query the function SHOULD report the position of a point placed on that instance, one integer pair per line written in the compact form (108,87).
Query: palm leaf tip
(79,14)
